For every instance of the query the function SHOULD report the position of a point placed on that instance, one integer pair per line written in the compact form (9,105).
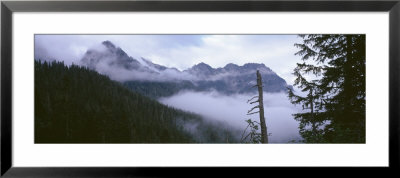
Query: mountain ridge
(229,79)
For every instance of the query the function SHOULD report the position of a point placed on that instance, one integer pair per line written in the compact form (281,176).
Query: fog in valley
(233,109)
(210,77)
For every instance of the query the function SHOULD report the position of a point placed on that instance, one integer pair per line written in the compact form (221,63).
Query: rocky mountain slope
(156,80)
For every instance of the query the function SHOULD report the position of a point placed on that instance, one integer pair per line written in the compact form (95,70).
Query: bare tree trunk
(264,133)
(314,127)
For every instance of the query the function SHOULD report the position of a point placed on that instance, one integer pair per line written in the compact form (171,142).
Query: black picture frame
(8,7)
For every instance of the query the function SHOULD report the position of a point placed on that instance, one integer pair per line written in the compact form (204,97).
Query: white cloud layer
(181,51)
(233,110)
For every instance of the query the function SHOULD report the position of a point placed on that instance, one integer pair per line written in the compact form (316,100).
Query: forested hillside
(76,105)
(156,90)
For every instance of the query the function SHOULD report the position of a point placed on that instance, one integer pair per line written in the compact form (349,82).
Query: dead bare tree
(260,106)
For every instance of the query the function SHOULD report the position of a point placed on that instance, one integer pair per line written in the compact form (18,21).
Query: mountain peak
(253,65)
(108,44)
(231,66)
(258,66)
(113,56)
(202,64)
(202,67)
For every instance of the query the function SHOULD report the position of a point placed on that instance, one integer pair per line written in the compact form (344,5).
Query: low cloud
(121,74)
(181,51)
(233,109)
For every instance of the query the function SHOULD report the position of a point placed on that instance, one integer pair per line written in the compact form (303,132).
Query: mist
(233,109)
(180,51)
(122,75)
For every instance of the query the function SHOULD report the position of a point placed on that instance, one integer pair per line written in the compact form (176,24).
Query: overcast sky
(182,51)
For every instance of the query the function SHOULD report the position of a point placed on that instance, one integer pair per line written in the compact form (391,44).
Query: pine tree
(335,104)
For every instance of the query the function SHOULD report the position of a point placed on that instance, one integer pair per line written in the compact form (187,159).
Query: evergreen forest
(76,105)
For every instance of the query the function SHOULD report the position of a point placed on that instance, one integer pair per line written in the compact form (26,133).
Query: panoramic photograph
(195,88)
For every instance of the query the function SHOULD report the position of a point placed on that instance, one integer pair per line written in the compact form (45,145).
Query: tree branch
(252,98)
(241,139)
(255,102)
(246,137)
(253,113)
(253,108)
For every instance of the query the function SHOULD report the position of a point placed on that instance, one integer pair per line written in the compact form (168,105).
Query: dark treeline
(156,90)
(334,107)
(76,105)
